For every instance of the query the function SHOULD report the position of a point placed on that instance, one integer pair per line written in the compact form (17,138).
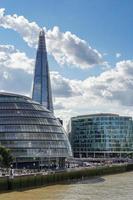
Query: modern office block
(101,135)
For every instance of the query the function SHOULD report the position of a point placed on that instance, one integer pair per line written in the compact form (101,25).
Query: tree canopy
(5,157)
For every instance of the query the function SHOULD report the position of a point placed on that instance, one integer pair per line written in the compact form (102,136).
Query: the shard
(42,86)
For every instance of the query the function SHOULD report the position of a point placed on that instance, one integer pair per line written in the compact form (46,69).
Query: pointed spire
(41,42)
(42,86)
(42,32)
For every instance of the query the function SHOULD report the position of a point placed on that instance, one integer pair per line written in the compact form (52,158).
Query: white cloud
(15,70)
(111,91)
(69,49)
(115,84)
(28,30)
(63,87)
(15,80)
(118,55)
(14,59)
(66,47)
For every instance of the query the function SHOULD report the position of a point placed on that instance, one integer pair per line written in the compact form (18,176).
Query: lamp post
(40,159)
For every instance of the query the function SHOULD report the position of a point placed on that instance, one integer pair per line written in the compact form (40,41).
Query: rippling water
(112,187)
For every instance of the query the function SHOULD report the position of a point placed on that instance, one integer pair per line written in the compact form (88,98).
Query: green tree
(5,157)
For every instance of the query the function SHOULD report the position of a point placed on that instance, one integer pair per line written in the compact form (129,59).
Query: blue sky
(104,25)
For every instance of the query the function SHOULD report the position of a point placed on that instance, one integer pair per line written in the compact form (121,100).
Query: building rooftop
(98,115)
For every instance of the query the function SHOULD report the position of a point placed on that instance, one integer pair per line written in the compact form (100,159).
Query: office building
(101,135)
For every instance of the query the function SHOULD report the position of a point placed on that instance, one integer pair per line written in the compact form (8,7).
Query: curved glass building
(31,131)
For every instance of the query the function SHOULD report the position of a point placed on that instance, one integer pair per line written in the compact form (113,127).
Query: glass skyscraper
(101,135)
(42,86)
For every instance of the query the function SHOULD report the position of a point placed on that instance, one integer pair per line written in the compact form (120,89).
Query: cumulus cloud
(28,30)
(66,47)
(15,67)
(9,79)
(113,85)
(111,91)
(70,49)
(58,105)
(63,87)
(14,59)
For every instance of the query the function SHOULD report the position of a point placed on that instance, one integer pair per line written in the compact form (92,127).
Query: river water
(111,187)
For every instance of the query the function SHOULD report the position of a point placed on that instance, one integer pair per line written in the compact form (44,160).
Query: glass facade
(101,135)
(42,86)
(30,130)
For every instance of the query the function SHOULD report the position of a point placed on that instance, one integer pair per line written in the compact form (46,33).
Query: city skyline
(89,53)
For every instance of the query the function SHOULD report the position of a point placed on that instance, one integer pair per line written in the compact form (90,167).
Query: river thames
(109,187)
